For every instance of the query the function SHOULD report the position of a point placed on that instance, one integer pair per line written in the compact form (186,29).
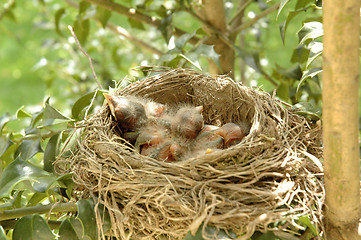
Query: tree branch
(246,25)
(133,14)
(40,209)
(121,31)
(237,19)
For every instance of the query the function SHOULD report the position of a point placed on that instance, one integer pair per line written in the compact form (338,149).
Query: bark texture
(340,115)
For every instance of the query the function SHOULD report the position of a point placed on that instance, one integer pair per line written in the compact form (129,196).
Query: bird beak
(110,102)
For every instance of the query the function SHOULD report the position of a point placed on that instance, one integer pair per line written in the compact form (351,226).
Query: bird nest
(269,179)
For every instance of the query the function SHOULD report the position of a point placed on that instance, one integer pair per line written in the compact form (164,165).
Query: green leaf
(16,172)
(5,144)
(87,216)
(307,110)
(51,151)
(52,113)
(308,74)
(2,234)
(209,52)
(182,40)
(301,4)
(71,229)
(17,200)
(306,221)
(283,91)
(32,227)
(212,233)
(83,102)
(58,14)
(36,198)
(104,215)
(316,50)
(310,30)
(81,29)
(28,148)
(194,62)
(21,113)
(83,6)
(283,4)
(103,15)
(136,24)
(300,54)
(43,183)
(283,26)
(4,119)
(264,236)
(166,28)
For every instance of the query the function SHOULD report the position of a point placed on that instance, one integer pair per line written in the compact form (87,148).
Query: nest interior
(272,175)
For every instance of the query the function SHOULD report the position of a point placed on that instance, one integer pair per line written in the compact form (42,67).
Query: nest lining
(269,177)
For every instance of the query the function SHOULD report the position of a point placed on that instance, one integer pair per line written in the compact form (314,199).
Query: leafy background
(47,85)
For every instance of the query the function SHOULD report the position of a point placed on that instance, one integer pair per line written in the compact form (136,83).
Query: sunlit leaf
(87,216)
(32,227)
(315,51)
(58,14)
(2,234)
(21,113)
(5,144)
(193,62)
(51,151)
(306,221)
(4,119)
(16,172)
(283,4)
(43,183)
(103,15)
(52,113)
(310,31)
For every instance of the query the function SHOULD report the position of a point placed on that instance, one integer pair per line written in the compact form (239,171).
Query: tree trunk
(340,117)
(212,11)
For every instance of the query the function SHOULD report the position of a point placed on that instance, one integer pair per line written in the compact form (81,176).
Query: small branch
(133,14)
(10,224)
(40,209)
(239,15)
(121,31)
(85,53)
(246,25)
(221,35)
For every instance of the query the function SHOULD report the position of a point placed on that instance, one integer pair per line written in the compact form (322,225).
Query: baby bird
(129,113)
(231,133)
(187,122)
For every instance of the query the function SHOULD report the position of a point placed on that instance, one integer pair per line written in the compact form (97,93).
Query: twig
(83,51)
(239,14)
(41,209)
(121,31)
(255,19)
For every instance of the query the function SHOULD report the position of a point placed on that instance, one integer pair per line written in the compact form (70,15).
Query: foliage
(267,53)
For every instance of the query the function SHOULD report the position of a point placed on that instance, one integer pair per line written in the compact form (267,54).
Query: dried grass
(272,175)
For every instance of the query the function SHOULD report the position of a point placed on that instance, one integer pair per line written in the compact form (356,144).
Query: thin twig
(239,14)
(255,19)
(86,54)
